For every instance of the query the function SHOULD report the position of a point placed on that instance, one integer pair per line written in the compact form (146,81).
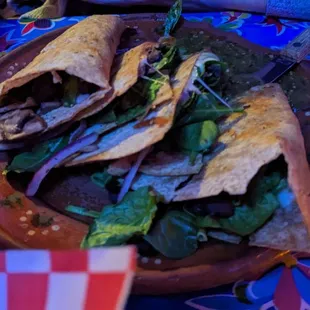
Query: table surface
(282,288)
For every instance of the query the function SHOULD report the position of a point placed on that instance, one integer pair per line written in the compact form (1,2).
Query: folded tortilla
(126,71)
(85,51)
(134,136)
(267,130)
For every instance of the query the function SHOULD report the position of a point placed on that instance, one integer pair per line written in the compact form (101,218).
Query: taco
(251,188)
(69,75)
(134,72)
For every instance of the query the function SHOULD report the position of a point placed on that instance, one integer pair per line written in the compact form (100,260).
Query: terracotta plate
(42,222)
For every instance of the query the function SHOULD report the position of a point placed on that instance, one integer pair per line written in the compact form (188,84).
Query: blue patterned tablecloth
(283,288)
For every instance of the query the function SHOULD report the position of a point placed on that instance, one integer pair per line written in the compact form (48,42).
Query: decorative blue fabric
(266,31)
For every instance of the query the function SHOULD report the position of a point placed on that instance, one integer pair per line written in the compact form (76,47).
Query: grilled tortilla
(138,135)
(267,130)
(126,71)
(70,74)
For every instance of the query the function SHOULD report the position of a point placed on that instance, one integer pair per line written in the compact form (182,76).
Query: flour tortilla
(171,164)
(266,131)
(128,139)
(86,50)
(162,186)
(285,230)
(126,71)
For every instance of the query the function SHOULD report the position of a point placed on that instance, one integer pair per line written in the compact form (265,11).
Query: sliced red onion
(56,159)
(78,132)
(11,146)
(132,173)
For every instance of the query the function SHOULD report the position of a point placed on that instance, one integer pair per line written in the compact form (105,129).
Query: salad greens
(175,235)
(173,17)
(170,59)
(101,179)
(250,216)
(203,107)
(116,224)
(82,211)
(32,161)
(198,137)
(133,104)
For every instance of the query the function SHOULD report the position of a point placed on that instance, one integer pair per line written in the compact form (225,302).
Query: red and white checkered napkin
(64,280)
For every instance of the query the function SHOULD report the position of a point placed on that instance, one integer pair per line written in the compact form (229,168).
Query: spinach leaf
(173,17)
(175,235)
(207,222)
(101,179)
(130,115)
(169,59)
(82,211)
(118,223)
(152,87)
(32,161)
(204,108)
(198,137)
(71,89)
(134,103)
(248,218)
(103,117)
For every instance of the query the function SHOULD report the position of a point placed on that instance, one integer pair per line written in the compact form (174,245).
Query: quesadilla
(69,75)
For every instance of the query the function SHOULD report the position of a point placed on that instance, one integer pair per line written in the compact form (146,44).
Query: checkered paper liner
(64,280)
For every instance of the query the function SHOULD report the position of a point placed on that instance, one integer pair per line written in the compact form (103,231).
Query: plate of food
(144,130)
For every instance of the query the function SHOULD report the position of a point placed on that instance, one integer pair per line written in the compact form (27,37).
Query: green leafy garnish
(103,117)
(101,179)
(169,59)
(130,115)
(71,89)
(82,211)
(198,137)
(207,222)
(133,104)
(248,218)
(118,223)
(32,161)
(175,235)
(173,17)
(204,108)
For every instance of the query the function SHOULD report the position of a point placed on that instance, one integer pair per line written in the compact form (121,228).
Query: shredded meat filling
(20,121)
